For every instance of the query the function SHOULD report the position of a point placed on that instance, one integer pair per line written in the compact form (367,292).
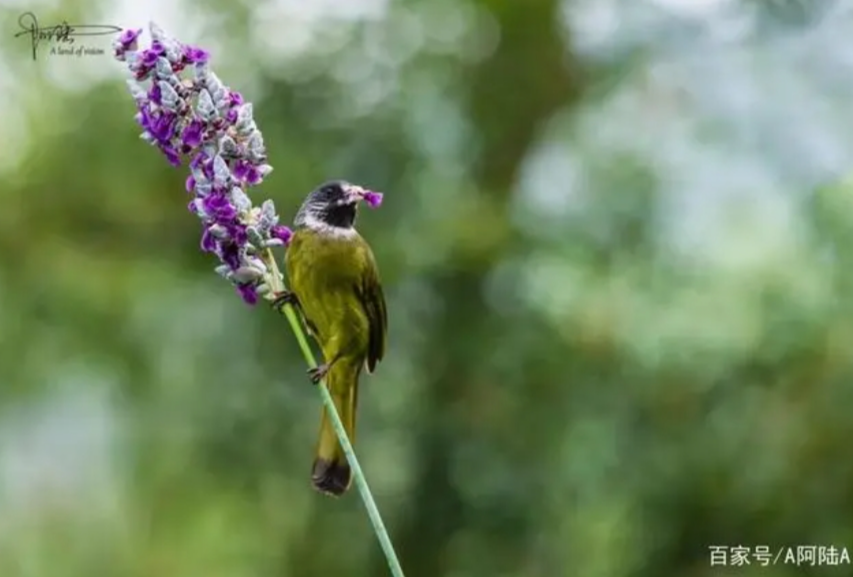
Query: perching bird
(334,284)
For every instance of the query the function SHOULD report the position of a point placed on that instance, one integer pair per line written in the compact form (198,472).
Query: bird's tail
(331,472)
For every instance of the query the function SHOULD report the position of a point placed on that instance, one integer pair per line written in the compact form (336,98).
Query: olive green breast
(326,273)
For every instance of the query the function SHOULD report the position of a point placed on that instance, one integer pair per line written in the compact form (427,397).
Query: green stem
(275,282)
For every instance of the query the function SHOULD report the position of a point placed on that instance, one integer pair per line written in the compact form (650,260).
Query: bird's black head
(333,204)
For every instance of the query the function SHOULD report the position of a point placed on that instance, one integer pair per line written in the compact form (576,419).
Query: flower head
(195,55)
(126,42)
(201,118)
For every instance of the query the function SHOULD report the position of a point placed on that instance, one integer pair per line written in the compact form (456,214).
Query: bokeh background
(616,245)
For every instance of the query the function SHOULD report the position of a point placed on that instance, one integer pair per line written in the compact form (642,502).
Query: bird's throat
(324,228)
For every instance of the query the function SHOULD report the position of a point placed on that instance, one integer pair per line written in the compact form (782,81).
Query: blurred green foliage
(616,247)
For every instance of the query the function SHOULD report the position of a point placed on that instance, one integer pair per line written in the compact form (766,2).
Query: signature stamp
(63,37)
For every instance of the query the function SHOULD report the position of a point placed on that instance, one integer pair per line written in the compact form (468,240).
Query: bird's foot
(318,373)
(282,298)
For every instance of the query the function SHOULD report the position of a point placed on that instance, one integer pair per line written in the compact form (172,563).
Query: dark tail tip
(331,477)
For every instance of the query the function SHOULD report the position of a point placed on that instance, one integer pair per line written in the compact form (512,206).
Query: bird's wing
(373,300)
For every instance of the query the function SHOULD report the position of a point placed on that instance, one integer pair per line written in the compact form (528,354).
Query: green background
(616,246)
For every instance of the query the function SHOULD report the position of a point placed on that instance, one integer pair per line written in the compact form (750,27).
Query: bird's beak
(355,193)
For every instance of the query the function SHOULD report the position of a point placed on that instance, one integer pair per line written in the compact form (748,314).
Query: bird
(335,287)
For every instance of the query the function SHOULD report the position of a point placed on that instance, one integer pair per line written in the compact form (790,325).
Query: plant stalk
(276,284)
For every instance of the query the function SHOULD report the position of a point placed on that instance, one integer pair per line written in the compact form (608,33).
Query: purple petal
(219,207)
(231,116)
(253,176)
(282,233)
(235,99)
(248,293)
(246,172)
(208,241)
(238,233)
(198,161)
(129,35)
(149,58)
(154,94)
(171,155)
(373,199)
(158,48)
(196,55)
(143,117)
(191,135)
(163,126)
(241,169)
(190,184)
(230,255)
(214,201)
(192,207)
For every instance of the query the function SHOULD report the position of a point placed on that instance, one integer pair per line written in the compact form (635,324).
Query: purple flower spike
(373,199)
(193,116)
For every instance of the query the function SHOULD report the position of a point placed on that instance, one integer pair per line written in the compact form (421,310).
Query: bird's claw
(283,298)
(317,374)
